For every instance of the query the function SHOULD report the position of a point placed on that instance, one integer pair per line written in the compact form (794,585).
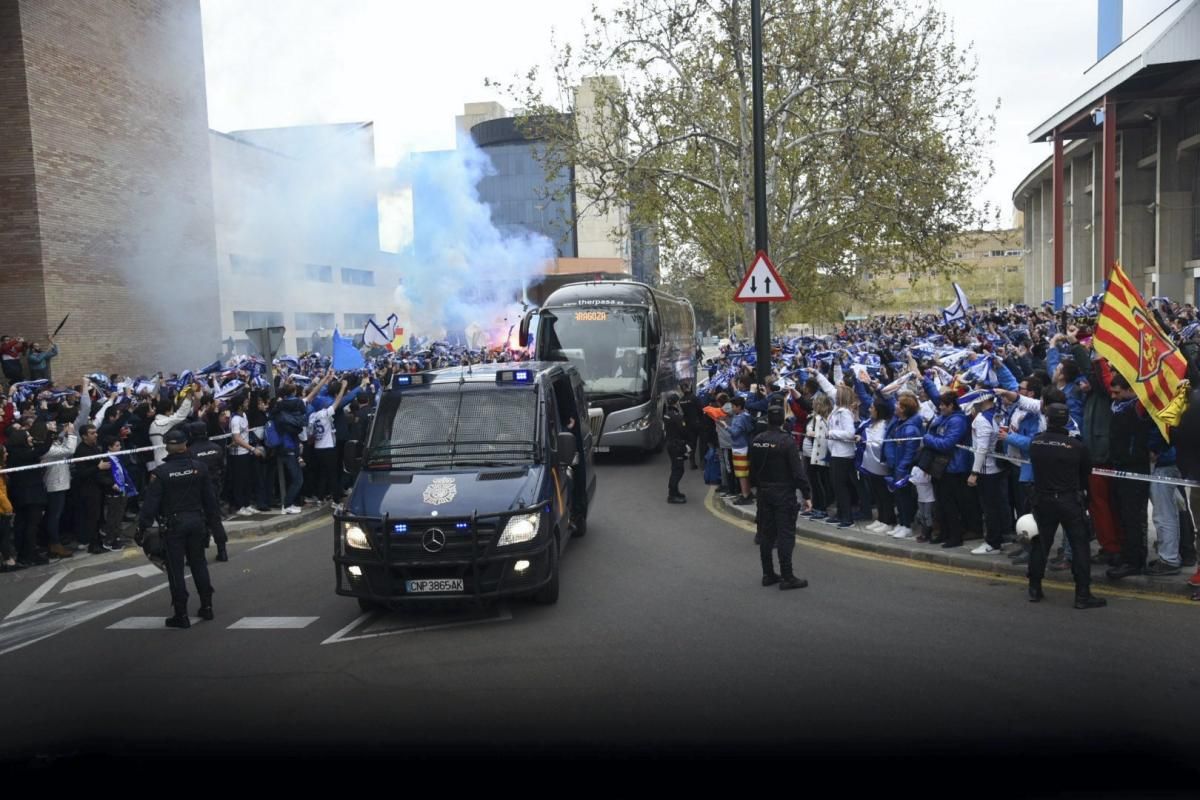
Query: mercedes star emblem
(433,541)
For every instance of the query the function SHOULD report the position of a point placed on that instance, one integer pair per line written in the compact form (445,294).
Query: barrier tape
(1108,473)
(47,464)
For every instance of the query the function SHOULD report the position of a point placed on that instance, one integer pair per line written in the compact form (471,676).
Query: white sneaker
(877,527)
(246,512)
(292,510)
(984,549)
(902,533)
(891,531)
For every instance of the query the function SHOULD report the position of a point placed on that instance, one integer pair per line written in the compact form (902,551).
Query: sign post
(762,315)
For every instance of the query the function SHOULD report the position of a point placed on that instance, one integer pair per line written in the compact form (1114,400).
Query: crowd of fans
(299,424)
(919,428)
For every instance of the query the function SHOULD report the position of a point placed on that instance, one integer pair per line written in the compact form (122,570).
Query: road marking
(265,544)
(144,624)
(272,623)
(502,615)
(710,503)
(33,602)
(148,571)
(75,614)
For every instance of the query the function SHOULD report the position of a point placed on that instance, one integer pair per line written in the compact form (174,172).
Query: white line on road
(31,603)
(144,624)
(77,618)
(272,623)
(503,615)
(148,571)
(264,544)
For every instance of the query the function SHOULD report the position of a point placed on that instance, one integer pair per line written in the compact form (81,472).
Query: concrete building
(587,241)
(1123,184)
(297,230)
(105,191)
(990,269)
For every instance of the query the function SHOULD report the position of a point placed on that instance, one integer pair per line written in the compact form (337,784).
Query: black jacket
(1061,463)
(1129,439)
(775,462)
(27,487)
(87,473)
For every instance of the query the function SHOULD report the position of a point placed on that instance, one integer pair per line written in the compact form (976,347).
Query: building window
(306,321)
(244,265)
(321,273)
(1014,252)
(1191,118)
(1195,209)
(244,320)
(995,253)
(355,322)
(1013,268)
(358,277)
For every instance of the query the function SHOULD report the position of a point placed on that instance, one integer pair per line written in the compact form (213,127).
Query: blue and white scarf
(121,479)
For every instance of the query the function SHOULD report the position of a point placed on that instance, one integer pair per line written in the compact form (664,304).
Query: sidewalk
(859,538)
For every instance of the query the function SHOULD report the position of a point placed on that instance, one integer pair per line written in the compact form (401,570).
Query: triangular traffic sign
(762,283)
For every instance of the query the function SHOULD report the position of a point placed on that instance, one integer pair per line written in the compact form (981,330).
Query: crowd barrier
(1108,473)
(46,464)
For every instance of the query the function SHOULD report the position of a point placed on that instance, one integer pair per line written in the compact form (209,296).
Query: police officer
(777,471)
(1061,466)
(677,445)
(212,454)
(690,406)
(180,490)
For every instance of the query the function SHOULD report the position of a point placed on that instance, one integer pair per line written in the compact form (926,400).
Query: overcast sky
(410,66)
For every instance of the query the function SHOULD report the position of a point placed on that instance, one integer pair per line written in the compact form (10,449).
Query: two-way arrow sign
(762,283)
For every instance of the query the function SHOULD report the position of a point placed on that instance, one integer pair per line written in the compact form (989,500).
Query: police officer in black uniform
(1061,466)
(212,454)
(181,492)
(777,471)
(677,445)
(691,417)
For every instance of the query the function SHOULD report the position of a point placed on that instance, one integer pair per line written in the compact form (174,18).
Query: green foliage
(875,147)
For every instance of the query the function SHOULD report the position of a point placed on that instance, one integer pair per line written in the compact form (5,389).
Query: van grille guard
(380,535)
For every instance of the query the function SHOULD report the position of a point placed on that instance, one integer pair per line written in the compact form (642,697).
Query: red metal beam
(1058,220)
(1109,179)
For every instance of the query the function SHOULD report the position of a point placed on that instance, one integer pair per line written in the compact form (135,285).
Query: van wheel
(548,594)
(365,605)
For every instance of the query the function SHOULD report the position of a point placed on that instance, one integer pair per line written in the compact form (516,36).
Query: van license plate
(435,585)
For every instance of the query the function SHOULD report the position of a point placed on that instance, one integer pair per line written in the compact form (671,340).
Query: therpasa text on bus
(631,343)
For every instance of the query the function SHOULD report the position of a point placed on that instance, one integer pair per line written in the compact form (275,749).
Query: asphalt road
(663,641)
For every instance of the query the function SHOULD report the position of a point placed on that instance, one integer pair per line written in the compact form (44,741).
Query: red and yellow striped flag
(1130,338)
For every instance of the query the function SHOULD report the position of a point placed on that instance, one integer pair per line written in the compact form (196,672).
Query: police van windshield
(454,426)
(607,344)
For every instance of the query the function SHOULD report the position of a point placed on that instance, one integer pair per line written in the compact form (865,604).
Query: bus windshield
(607,344)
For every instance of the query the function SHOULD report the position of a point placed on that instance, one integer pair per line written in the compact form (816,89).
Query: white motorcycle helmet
(1027,527)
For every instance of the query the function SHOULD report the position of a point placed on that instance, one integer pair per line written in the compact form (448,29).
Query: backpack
(271,435)
(712,468)
(292,422)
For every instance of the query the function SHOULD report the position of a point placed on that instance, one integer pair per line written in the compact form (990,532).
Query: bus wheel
(548,594)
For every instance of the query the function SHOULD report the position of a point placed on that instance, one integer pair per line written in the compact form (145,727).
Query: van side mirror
(352,457)
(566,448)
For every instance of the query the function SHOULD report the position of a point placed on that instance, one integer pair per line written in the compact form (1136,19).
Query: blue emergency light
(462,525)
(401,528)
(515,376)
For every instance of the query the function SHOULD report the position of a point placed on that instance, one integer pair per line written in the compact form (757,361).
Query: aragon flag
(1130,338)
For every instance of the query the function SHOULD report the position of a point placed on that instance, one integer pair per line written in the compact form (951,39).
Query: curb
(857,538)
(275,523)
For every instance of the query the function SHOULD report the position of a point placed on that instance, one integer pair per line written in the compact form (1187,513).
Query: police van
(470,484)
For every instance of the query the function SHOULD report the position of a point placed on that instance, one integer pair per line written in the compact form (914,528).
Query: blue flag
(345,354)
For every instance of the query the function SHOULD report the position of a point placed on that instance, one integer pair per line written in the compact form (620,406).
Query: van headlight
(356,537)
(520,529)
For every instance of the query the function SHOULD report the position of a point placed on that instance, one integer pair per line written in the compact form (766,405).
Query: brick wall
(118,116)
(22,299)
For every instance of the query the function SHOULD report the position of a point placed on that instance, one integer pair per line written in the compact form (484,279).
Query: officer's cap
(775,414)
(175,437)
(1057,415)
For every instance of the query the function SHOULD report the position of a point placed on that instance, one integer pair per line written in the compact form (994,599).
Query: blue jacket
(741,430)
(901,456)
(1020,438)
(1164,450)
(1005,379)
(1076,397)
(944,436)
